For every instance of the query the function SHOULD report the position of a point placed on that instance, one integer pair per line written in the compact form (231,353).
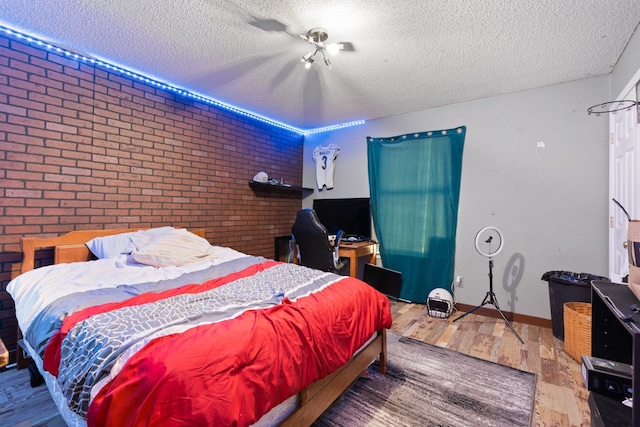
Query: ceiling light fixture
(317,37)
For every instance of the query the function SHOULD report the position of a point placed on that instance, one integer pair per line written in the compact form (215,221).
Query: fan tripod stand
(487,235)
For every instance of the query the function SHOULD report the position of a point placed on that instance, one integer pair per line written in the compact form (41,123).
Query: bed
(158,327)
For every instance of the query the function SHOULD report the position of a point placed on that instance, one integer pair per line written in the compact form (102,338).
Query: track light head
(308,57)
(334,48)
(326,60)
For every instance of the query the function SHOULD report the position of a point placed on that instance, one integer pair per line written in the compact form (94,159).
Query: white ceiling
(409,54)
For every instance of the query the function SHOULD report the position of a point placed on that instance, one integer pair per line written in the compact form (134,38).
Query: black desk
(606,411)
(614,339)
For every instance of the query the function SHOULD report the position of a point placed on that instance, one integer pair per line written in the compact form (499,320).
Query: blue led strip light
(334,127)
(169,87)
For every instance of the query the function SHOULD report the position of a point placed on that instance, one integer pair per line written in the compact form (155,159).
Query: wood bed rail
(315,399)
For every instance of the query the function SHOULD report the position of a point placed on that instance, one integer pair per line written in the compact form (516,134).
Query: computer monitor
(352,216)
(384,280)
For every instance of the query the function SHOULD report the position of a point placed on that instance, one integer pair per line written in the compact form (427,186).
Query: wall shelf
(279,187)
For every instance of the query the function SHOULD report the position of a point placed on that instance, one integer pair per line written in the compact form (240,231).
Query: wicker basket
(577,329)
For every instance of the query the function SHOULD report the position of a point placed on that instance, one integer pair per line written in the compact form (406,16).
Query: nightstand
(4,355)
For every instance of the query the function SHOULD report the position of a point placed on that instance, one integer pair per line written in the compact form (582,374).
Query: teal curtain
(414,184)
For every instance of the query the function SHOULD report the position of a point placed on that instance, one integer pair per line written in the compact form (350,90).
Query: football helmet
(261,177)
(440,303)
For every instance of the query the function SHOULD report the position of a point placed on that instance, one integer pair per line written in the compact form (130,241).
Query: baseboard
(512,317)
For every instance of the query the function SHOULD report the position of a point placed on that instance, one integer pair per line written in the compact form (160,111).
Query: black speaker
(607,377)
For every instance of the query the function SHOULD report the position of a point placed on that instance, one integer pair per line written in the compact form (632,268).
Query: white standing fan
(488,243)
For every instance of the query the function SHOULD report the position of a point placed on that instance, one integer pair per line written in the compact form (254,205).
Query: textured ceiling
(408,54)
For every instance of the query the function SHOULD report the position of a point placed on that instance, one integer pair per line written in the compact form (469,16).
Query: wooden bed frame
(312,401)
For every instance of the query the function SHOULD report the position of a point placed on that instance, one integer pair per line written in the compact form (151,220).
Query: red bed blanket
(226,362)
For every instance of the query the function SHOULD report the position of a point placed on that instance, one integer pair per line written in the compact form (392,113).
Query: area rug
(427,385)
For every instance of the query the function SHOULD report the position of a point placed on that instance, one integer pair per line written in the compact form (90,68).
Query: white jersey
(325,158)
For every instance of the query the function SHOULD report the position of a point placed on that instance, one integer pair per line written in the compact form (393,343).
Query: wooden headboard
(69,247)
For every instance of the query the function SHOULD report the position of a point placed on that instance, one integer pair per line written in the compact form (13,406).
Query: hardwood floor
(23,406)
(561,397)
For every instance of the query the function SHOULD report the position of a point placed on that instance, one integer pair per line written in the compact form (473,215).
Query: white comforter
(36,289)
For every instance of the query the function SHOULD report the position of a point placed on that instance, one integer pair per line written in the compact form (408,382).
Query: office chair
(313,243)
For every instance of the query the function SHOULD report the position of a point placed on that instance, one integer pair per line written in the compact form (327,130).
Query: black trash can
(567,286)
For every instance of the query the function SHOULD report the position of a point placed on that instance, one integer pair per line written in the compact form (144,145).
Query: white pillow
(175,248)
(143,237)
(123,243)
(111,246)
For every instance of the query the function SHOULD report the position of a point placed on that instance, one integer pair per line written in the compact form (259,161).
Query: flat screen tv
(352,216)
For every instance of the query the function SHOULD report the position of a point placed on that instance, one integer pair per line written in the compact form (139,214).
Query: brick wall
(85,148)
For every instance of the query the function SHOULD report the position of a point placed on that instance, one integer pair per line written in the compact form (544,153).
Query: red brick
(61,128)
(24,212)
(85,94)
(64,94)
(63,60)
(32,87)
(19,46)
(13,110)
(29,122)
(45,65)
(42,185)
(21,101)
(27,68)
(13,52)
(48,102)
(81,74)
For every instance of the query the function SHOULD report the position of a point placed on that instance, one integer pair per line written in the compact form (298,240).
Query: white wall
(551,206)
